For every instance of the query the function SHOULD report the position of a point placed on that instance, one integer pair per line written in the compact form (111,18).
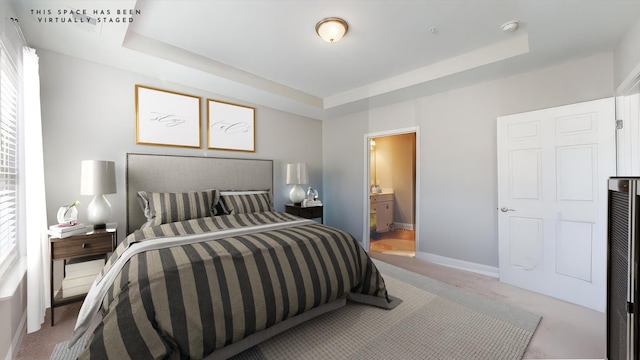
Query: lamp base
(99,226)
(99,211)
(297,194)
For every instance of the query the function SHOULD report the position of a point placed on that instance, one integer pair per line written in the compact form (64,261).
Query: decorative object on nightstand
(68,215)
(83,256)
(312,194)
(311,199)
(297,174)
(98,178)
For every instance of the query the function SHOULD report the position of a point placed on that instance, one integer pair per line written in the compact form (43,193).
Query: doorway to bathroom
(392,192)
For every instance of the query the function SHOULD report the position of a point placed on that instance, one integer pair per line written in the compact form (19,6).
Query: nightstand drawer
(311,212)
(314,211)
(83,245)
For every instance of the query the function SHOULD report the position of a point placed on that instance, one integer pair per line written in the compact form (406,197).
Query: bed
(209,269)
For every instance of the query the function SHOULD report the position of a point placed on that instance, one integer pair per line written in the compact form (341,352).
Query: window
(8,159)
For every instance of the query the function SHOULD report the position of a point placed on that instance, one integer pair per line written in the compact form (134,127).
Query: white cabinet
(382,207)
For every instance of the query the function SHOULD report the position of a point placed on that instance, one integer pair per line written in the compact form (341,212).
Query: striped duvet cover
(186,289)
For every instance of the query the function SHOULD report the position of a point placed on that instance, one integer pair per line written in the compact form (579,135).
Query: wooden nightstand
(97,242)
(310,212)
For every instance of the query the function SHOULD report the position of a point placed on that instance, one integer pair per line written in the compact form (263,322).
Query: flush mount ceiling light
(510,26)
(331,29)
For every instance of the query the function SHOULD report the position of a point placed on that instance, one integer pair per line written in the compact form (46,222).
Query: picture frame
(230,126)
(167,118)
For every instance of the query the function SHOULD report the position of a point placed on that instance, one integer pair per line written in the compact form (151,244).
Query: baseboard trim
(459,264)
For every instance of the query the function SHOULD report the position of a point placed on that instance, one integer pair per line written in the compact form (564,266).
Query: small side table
(95,242)
(311,212)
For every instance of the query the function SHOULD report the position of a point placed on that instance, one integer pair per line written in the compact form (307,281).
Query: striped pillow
(162,208)
(245,202)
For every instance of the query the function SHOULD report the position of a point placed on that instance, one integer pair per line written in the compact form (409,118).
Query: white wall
(458,159)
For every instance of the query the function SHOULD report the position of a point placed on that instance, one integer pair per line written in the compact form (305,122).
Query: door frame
(366,202)
(627,138)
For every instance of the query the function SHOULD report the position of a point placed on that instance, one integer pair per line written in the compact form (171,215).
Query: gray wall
(88,112)
(343,176)
(458,163)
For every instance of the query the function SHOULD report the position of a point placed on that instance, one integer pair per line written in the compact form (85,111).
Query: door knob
(505,209)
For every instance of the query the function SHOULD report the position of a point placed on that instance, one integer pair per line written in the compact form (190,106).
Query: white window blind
(8,158)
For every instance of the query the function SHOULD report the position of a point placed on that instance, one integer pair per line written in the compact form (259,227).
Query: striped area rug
(434,321)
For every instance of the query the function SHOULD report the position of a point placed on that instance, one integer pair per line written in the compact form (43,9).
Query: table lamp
(297,174)
(98,178)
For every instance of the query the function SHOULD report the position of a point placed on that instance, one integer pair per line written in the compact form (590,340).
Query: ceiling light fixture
(331,29)
(510,26)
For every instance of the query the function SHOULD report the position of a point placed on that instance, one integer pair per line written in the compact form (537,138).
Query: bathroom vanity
(381,207)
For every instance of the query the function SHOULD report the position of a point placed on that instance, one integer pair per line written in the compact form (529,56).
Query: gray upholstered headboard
(174,173)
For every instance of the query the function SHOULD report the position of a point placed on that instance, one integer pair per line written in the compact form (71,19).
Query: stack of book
(311,203)
(80,274)
(63,231)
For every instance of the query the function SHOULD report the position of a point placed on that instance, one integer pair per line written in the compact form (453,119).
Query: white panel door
(553,166)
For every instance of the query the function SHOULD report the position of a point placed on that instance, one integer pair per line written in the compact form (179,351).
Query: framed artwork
(167,118)
(230,126)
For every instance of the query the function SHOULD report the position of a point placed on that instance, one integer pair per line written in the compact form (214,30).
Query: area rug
(63,352)
(434,321)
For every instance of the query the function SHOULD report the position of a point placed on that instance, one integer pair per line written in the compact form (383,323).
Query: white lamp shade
(297,174)
(97,177)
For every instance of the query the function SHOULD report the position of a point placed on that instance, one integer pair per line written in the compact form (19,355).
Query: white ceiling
(267,51)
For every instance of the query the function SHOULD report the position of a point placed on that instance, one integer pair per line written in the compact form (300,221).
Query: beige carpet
(434,321)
